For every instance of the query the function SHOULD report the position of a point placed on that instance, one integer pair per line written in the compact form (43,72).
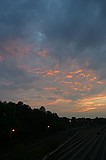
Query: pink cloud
(43,53)
(17,48)
(1,58)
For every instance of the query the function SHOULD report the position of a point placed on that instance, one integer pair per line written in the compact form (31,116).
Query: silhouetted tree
(42,108)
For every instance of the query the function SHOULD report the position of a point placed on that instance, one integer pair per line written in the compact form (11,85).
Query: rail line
(89,144)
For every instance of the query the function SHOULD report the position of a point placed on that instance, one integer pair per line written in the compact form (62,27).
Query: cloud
(13,76)
(18,19)
(77,21)
(72,29)
(76,29)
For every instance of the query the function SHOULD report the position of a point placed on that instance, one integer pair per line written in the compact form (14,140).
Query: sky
(53,54)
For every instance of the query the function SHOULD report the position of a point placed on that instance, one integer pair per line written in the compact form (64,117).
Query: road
(88,144)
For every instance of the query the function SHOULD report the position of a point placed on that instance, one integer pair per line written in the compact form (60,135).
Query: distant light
(13,130)
(48,126)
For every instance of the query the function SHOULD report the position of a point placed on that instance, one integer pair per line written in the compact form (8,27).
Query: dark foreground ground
(37,150)
(88,144)
(74,144)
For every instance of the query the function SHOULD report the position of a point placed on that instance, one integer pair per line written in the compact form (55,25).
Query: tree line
(19,123)
(25,124)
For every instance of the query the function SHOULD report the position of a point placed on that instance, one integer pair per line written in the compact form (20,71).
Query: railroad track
(89,144)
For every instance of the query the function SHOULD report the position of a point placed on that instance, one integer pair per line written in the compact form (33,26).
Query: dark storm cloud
(15,76)
(77,29)
(10,20)
(16,16)
(72,28)
(75,19)
(79,22)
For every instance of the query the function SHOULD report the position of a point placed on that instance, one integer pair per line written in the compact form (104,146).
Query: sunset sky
(53,53)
